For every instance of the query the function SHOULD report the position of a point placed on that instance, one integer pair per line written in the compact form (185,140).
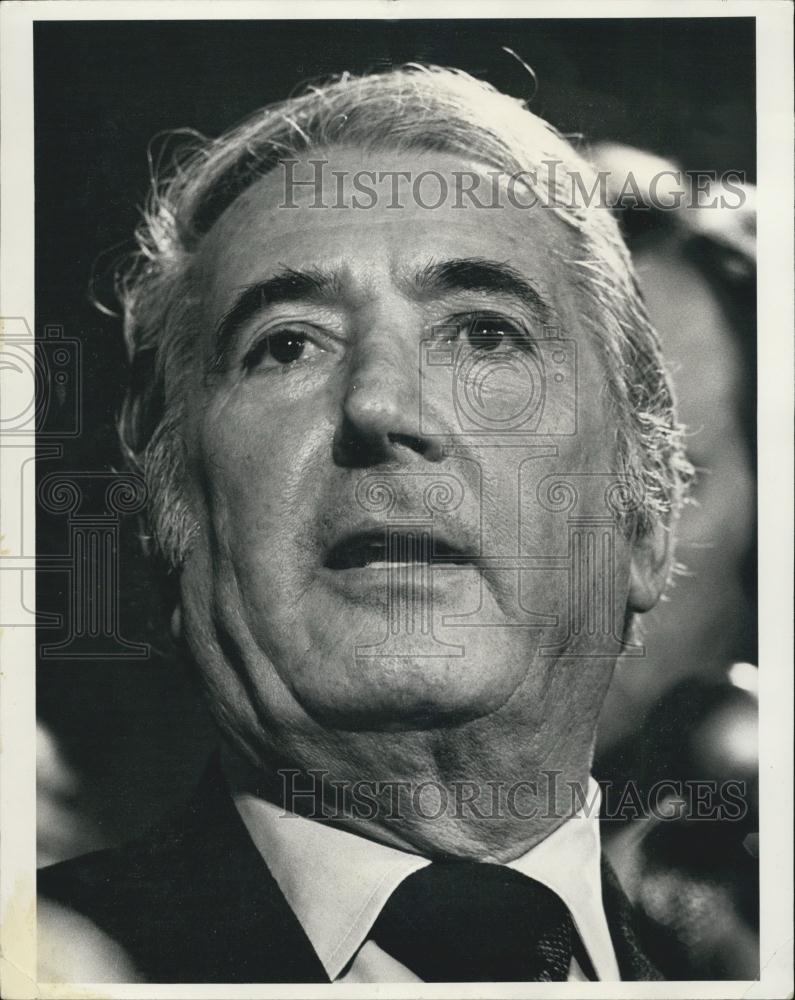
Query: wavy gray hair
(414,107)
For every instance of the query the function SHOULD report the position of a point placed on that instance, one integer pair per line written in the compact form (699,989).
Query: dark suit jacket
(193,901)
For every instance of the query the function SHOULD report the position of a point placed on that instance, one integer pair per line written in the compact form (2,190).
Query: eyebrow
(476,274)
(465,274)
(287,285)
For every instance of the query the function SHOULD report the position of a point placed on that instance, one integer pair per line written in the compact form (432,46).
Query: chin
(400,693)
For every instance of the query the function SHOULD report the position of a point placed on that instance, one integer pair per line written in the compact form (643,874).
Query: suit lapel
(250,932)
(191,901)
(633,964)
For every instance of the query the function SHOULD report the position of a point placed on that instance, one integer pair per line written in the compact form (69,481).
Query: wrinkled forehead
(380,216)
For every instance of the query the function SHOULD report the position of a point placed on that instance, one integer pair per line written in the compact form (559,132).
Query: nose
(381,407)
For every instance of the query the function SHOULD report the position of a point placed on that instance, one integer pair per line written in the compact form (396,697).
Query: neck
(440,793)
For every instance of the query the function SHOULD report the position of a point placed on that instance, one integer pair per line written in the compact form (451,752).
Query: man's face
(372,437)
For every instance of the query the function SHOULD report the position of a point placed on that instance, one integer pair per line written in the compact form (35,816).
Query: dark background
(131,732)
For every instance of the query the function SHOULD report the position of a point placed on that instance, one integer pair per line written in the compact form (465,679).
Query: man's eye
(284,347)
(490,333)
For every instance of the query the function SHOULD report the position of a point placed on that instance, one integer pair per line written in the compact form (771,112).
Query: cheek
(574,502)
(259,479)
(257,467)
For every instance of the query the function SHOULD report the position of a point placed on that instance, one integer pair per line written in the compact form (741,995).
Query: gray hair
(419,108)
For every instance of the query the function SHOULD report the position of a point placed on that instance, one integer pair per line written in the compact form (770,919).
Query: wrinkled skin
(279,437)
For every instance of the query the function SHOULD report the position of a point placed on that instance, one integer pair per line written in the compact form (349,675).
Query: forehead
(374,217)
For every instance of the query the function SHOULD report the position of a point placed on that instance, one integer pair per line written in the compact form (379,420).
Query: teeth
(403,549)
(399,549)
(375,554)
(379,552)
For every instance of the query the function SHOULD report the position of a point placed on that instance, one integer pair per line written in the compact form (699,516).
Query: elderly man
(413,460)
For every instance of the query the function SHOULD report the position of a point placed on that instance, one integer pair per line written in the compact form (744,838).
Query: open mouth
(382,549)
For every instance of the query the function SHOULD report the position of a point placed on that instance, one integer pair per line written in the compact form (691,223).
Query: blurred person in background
(687,711)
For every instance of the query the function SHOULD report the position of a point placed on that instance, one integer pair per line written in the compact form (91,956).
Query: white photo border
(776,321)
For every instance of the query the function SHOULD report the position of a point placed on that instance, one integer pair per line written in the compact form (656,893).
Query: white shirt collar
(568,861)
(337,883)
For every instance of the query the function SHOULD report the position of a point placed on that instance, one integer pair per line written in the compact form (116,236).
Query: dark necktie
(463,921)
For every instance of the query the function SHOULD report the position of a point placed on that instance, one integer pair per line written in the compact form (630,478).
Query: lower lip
(405,581)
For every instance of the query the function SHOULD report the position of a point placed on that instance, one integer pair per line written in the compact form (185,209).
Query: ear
(649,568)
